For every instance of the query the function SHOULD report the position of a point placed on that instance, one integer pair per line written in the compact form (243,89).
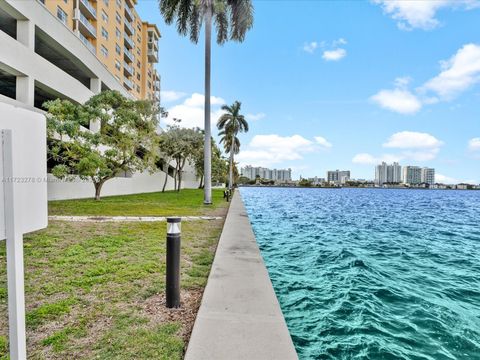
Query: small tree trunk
(201,182)
(230,176)
(180,170)
(98,189)
(166,178)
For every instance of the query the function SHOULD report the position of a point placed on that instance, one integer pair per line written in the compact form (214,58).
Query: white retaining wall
(138,183)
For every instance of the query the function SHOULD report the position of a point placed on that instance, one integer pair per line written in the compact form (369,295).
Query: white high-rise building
(252,172)
(338,176)
(412,175)
(385,173)
(428,176)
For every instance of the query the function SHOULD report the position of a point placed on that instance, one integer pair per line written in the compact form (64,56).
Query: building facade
(280,175)
(412,175)
(113,31)
(45,56)
(338,176)
(391,174)
(428,176)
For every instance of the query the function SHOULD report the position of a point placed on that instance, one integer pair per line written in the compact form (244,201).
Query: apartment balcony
(129,28)
(128,41)
(128,13)
(128,84)
(88,10)
(152,56)
(157,85)
(128,55)
(127,69)
(87,42)
(85,27)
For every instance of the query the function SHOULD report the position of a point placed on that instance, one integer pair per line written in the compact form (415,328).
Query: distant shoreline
(349,187)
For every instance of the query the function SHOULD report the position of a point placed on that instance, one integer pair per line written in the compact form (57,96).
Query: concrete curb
(239,317)
(127,218)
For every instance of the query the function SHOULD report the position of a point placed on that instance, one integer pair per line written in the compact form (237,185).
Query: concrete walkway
(239,317)
(100,218)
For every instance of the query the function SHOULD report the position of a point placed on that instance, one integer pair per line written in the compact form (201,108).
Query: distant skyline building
(412,175)
(252,172)
(338,176)
(428,176)
(385,173)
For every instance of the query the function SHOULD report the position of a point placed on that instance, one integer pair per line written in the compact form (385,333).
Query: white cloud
(323,142)
(398,100)
(443,179)
(420,14)
(412,140)
(310,47)
(368,159)
(255,117)
(266,150)
(474,144)
(191,111)
(334,55)
(170,95)
(413,146)
(458,74)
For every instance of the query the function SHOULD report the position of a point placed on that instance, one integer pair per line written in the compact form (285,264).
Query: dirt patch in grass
(156,310)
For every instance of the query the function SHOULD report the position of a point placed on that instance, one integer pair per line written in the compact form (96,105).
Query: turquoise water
(373,273)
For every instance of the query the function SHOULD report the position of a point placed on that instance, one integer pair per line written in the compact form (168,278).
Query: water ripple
(373,274)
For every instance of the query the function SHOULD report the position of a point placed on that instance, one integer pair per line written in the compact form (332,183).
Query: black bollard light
(174,227)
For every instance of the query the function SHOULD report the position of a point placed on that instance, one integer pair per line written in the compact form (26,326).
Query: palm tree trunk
(208,132)
(230,176)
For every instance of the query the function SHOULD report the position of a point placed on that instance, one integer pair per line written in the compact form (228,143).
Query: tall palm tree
(231,123)
(232,18)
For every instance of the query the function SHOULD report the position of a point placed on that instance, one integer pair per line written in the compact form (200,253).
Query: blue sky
(341,84)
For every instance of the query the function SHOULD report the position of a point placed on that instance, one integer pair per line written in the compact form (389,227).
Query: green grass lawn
(96,290)
(186,202)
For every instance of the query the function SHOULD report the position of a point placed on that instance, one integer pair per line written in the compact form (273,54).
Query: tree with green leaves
(232,19)
(219,164)
(230,124)
(125,143)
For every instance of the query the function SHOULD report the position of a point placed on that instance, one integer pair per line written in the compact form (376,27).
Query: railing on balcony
(128,55)
(88,25)
(128,68)
(90,9)
(152,55)
(128,84)
(129,13)
(129,27)
(87,42)
(128,41)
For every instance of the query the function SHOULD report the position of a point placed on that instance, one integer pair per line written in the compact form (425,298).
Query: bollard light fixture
(174,225)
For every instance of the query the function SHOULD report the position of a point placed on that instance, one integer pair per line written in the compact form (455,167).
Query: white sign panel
(29,152)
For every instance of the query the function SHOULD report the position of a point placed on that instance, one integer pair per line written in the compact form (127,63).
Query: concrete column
(26,33)
(25,91)
(96,88)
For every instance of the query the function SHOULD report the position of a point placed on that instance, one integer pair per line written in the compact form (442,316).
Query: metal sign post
(14,242)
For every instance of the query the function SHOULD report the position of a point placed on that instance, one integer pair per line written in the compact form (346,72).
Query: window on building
(149,84)
(104,16)
(118,49)
(118,17)
(105,2)
(118,33)
(138,64)
(139,39)
(62,15)
(138,51)
(117,64)
(104,33)
(65,1)
(138,76)
(139,26)
(119,3)
(104,51)
(138,88)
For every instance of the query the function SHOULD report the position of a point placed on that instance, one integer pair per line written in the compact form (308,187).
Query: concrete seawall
(239,317)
